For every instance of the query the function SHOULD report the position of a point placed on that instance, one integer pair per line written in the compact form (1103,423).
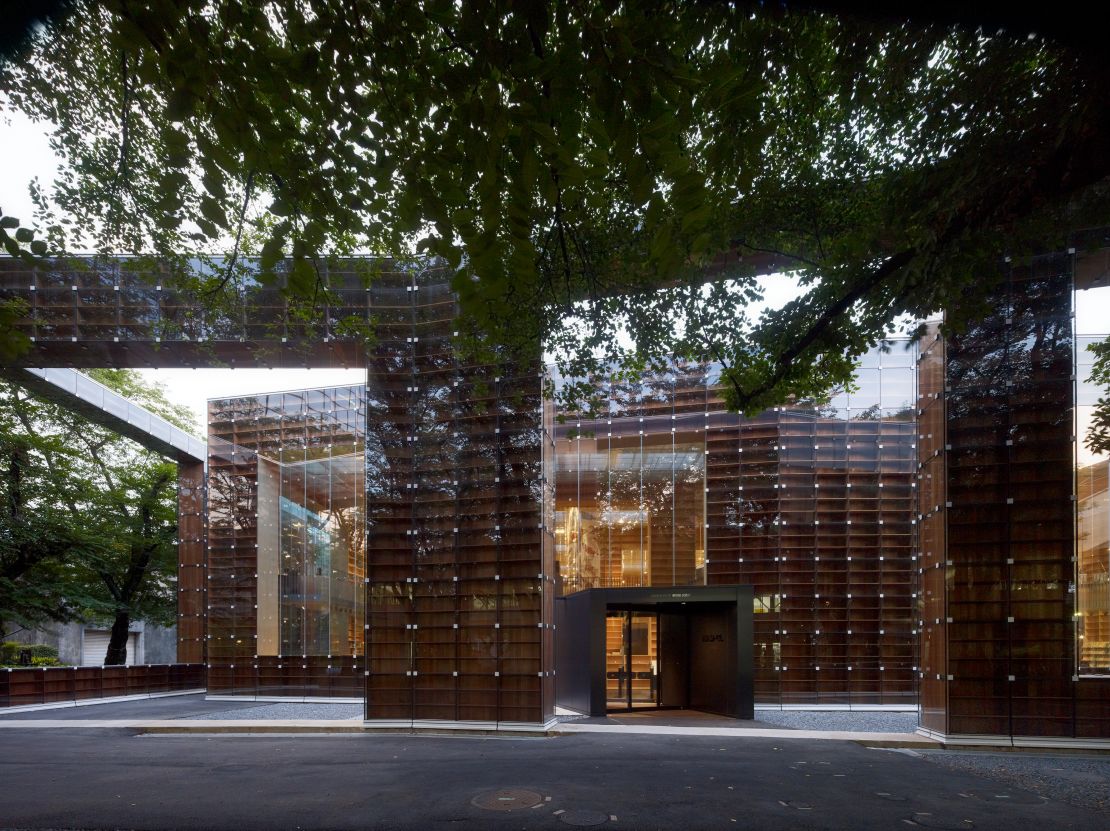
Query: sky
(27,142)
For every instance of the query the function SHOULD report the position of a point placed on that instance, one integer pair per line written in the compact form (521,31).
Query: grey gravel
(291,710)
(855,720)
(860,722)
(1078,780)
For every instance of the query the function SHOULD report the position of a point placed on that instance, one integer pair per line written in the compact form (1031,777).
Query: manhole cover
(930,821)
(583,818)
(507,799)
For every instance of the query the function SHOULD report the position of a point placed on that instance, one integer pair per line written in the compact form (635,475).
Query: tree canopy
(609,178)
(88,519)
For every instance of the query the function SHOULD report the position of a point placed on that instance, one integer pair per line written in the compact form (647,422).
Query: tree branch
(825,321)
(778,253)
(21,414)
(229,271)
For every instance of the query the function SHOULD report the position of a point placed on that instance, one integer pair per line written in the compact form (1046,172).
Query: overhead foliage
(585,167)
(88,519)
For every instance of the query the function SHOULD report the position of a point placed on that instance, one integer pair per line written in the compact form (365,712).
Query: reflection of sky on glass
(1092,323)
(194,387)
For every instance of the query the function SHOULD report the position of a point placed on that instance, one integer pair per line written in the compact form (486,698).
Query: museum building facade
(933,534)
(811,507)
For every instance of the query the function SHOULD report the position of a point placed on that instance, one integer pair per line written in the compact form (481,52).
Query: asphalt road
(84,779)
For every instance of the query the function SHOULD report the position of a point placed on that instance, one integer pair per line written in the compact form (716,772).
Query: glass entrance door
(631,660)
(616,660)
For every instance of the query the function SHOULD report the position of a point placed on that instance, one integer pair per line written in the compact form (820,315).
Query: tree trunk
(117,646)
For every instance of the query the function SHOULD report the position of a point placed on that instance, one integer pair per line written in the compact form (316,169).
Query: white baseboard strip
(472,726)
(1016,742)
(285,699)
(89,702)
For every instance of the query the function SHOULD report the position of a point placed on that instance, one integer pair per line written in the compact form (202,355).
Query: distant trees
(88,519)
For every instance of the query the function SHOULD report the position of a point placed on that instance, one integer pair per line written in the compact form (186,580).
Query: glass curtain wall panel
(459,568)
(232,537)
(812,505)
(930,611)
(630,488)
(1092,324)
(192,594)
(1012,523)
(1010,515)
(287,556)
(1092,560)
(133,312)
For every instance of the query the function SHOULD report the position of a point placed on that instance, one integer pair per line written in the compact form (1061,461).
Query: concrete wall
(65,636)
(159,642)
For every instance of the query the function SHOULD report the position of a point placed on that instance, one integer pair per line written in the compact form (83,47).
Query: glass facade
(192,539)
(932,549)
(991,597)
(630,489)
(286,542)
(1001,483)
(812,505)
(1092,541)
(460,572)
(1010,514)
(129,312)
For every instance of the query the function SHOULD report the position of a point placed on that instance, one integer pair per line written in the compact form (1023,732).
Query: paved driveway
(65,778)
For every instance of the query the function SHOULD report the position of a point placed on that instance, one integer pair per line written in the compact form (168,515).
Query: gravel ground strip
(1083,781)
(855,720)
(292,710)
(860,722)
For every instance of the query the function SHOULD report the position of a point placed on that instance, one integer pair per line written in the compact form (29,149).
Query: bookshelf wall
(999,518)
(460,574)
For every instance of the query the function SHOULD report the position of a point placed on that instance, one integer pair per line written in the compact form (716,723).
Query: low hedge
(41,654)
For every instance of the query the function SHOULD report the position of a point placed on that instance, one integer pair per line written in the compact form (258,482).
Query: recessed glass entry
(631,660)
(630,509)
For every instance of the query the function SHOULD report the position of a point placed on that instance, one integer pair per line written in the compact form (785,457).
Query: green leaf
(212,211)
(272,251)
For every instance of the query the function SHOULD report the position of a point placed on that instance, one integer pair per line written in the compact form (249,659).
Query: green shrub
(40,652)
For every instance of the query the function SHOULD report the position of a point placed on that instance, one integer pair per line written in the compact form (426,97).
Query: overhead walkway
(80,394)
